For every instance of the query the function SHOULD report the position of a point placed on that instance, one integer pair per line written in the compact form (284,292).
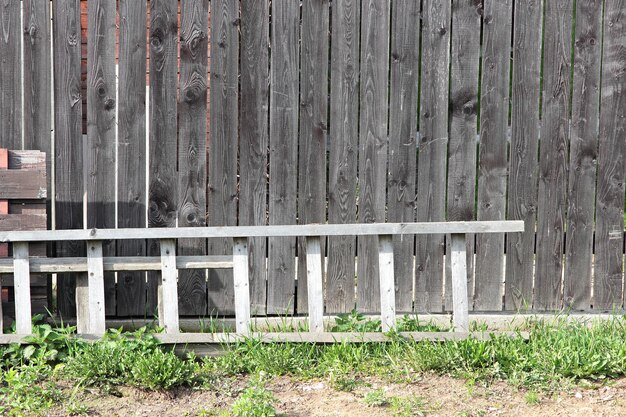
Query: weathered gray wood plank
(68,141)
(253,138)
(354,229)
(433,145)
(314,278)
(162,188)
(465,57)
(553,159)
(95,302)
(23,184)
(222,186)
(37,78)
(21,274)
(611,153)
(313,130)
(192,147)
(404,79)
(284,107)
(101,159)
(168,287)
(458,267)
(342,155)
(11,80)
(494,121)
(523,164)
(583,155)
(386,281)
(373,144)
(241,285)
(131,153)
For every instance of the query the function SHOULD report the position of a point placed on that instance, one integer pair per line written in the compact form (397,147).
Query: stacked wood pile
(23,207)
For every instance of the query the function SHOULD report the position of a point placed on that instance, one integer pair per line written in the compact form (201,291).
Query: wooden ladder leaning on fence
(90,303)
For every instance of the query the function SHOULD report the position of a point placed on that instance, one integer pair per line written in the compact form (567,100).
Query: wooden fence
(337,111)
(23,207)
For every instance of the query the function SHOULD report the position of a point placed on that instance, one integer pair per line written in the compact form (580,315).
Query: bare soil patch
(431,395)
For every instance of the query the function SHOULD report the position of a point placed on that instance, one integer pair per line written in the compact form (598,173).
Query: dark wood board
(583,154)
(373,145)
(492,158)
(523,160)
(101,107)
(433,149)
(342,152)
(313,131)
(23,184)
(162,182)
(609,236)
(557,48)
(11,70)
(284,105)
(464,56)
(131,154)
(192,149)
(253,140)
(222,182)
(68,140)
(405,34)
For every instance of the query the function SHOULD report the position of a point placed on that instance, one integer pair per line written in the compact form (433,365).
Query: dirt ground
(431,396)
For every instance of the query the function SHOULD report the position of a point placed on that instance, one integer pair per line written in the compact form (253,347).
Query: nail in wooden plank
(459,283)
(387,283)
(314,284)
(168,287)
(242,285)
(23,323)
(95,288)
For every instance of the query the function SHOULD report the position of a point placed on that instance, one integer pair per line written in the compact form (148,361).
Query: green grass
(557,353)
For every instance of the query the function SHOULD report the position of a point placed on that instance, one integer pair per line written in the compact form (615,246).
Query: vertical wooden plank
(11,80)
(553,158)
(523,166)
(342,153)
(386,282)
(404,74)
(465,56)
(314,277)
(241,285)
(458,259)
(253,139)
(101,96)
(373,144)
(37,78)
(222,183)
(131,154)
(583,155)
(68,140)
(611,154)
(283,153)
(313,129)
(168,287)
(162,188)
(95,301)
(192,150)
(21,279)
(494,121)
(433,145)
(4,204)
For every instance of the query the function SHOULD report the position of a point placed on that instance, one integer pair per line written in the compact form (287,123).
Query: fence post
(21,279)
(90,305)
(458,261)
(314,284)
(242,285)
(168,287)
(387,283)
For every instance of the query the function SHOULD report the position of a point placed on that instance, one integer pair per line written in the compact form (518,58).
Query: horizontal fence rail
(91,302)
